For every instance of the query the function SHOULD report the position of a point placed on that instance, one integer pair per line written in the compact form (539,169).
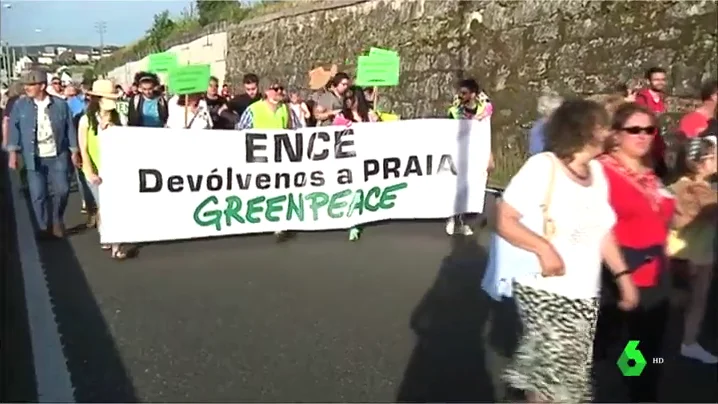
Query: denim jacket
(23,128)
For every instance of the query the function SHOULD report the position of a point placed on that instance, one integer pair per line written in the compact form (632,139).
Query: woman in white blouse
(553,232)
(197,115)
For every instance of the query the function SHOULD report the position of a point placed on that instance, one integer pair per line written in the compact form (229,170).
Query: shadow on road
(97,371)
(17,375)
(448,363)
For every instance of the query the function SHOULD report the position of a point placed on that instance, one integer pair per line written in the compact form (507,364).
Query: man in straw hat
(43,134)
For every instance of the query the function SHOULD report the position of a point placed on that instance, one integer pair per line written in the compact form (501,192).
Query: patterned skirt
(555,354)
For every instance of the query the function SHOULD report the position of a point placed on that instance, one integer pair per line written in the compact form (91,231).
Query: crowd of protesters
(585,231)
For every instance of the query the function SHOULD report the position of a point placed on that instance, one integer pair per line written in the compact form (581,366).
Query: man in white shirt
(42,132)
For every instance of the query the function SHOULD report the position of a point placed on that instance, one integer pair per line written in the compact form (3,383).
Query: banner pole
(376,99)
(186,110)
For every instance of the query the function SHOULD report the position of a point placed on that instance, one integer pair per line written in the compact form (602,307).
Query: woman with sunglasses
(644,209)
(355,108)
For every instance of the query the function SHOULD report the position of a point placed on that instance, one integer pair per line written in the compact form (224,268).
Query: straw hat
(103,88)
(318,78)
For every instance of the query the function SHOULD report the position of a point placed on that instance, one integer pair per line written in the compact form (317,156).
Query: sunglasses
(639,130)
(277,88)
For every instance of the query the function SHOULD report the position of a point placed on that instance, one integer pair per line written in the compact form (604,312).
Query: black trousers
(647,324)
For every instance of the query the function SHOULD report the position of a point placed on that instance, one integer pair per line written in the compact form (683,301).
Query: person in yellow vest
(271,112)
(470,103)
(101,114)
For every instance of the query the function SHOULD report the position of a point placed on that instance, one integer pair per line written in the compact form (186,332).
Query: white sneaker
(695,351)
(466,230)
(450,226)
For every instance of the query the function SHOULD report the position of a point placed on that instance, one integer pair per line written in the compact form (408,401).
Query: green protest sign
(383,52)
(162,62)
(190,79)
(379,71)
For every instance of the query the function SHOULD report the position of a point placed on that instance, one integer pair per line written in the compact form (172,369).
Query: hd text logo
(631,362)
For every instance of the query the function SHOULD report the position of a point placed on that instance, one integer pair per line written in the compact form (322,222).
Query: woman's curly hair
(572,126)
(146,76)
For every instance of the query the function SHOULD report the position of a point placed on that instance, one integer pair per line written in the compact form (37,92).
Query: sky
(36,22)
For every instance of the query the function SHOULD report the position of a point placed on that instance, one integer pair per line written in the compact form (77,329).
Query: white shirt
(199,120)
(582,217)
(299,112)
(46,145)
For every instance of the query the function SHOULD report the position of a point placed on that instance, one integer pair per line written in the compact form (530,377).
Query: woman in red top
(644,210)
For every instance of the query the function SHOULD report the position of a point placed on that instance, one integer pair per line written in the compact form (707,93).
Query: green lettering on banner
(210,217)
(322,206)
(190,79)
(378,71)
(274,205)
(336,203)
(162,62)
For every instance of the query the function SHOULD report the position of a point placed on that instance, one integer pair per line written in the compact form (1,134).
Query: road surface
(397,316)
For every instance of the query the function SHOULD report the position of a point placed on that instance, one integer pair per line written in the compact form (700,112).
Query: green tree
(88,76)
(209,10)
(161,28)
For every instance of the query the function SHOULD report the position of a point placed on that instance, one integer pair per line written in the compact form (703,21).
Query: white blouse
(200,119)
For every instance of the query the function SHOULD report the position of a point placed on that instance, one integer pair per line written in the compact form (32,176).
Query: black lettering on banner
(214,181)
(344,176)
(314,155)
(446,164)
(195,182)
(391,165)
(264,181)
(144,173)
(371,167)
(413,166)
(300,179)
(344,143)
(175,183)
(243,181)
(283,143)
(229,179)
(251,147)
(316,178)
(283,180)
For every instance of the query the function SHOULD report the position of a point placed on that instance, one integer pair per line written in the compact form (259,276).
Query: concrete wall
(210,49)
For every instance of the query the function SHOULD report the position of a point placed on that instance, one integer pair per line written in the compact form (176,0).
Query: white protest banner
(166,184)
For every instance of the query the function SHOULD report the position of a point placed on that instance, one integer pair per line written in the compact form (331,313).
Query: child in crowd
(693,235)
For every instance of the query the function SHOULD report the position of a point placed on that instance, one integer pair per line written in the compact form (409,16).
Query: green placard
(189,79)
(383,52)
(379,71)
(162,62)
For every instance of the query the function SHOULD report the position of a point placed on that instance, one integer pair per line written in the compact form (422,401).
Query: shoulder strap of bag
(549,228)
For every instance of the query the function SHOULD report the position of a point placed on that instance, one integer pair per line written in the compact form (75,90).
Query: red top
(643,212)
(693,123)
(645,98)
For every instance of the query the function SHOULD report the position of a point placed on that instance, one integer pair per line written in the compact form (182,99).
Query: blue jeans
(49,172)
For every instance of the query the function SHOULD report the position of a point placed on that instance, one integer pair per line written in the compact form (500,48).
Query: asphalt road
(397,316)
